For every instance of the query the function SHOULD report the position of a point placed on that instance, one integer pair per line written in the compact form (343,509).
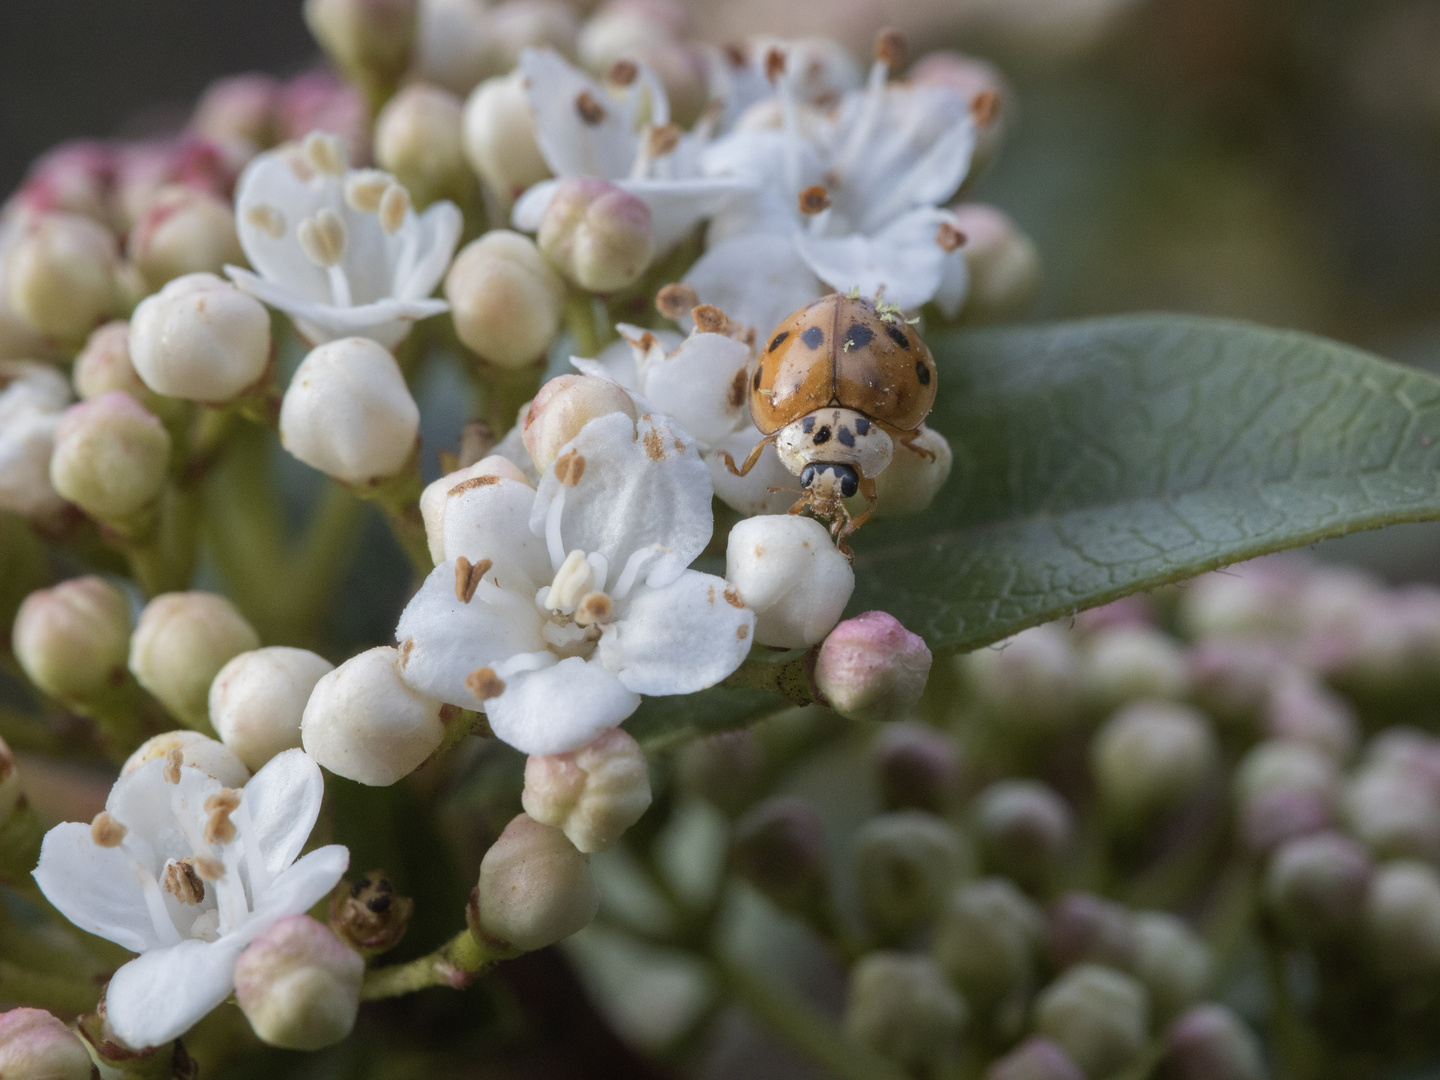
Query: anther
(267,219)
(985,107)
(484,683)
(948,237)
(814,199)
(363,189)
(300,165)
(674,300)
(467,577)
(183,882)
(208,868)
(569,468)
(774,64)
(322,237)
(661,140)
(219,829)
(173,760)
(890,48)
(105,831)
(590,110)
(709,319)
(594,609)
(394,205)
(326,152)
(622,72)
(735,52)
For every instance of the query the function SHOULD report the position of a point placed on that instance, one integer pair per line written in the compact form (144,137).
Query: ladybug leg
(751,460)
(907,440)
(867,491)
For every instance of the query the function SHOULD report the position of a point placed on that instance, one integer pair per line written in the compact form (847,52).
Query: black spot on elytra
(922,372)
(858,336)
(822,436)
(814,337)
(862,426)
(897,335)
(807,425)
(777,339)
(846,439)
(756,381)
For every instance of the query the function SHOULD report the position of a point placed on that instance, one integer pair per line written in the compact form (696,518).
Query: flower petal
(560,708)
(269,182)
(283,799)
(604,145)
(683,637)
(161,995)
(298,889)
(757,280)
(438,230)
(768,488)
(642,484)
(386,321)
(677,206)
(954,283)
(530,208)
(702,385)
(148,805)
(96,888)
(489,518)
(904,259)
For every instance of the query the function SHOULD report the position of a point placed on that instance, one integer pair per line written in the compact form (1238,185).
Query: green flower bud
(916,767)
(369,40)
(111,457)
(779,847)
(1402,920)
(723,769)
(1029,683)
(902,1007)
(60,273)
(417,137)
(1172,961)
(593,794)
(36,1046)
(104,366)
(986,940)
(1024,829)
(535,888)
(1097,1015)
(180,644)
(1150,757)
(1211,1043)
(1037,1058)
(906,863)
(1132,663)
(184,231)
(72,640)
(1285,789)
(1085,928)
(1394,812)
(299,985)
(1315,886)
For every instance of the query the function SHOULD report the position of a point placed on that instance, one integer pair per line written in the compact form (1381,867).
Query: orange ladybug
(837,384)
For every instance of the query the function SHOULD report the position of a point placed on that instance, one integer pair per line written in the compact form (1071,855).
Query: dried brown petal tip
(814,199)
(949,237)
(590,110)
(890,48)
(106,831)
(674,300)
(622,72)
(484,683)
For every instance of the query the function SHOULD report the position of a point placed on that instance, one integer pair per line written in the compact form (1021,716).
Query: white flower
(875,172)
(559,607)
(32,399)
(583,130)
(340,250)
(187,873)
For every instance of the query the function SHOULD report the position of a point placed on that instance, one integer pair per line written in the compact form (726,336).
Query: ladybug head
(831,478)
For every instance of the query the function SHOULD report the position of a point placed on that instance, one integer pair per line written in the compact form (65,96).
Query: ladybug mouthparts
(826,478)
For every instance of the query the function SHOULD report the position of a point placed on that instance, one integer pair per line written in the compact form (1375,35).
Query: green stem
(58,993)
(580,321)
(789,676)
(455,964)
(1296,1043)
(163,560)
(315,568)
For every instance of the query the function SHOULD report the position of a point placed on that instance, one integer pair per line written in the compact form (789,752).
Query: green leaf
(1100,458)
(664,722)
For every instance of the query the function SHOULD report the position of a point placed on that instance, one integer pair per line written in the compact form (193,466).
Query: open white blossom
(187,873)
(559,608)
(340,249)
(584,130)
(32,398)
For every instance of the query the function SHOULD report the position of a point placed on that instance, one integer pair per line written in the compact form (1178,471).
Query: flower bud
(208,755)
(180,644)
(901,1007)
(535,888)
(1085,928)
(986,942)
(596,234)
(454,46)
(911,481)
(369,913)
(1172,961)
(36,1046)
(505,298)
(111,457)
(437,495)
(916,766)
(978,82)
(1255,600)
(724,770)
(1024,829)
(1150,757)
(32,397)
(418,138)
(1402,920)
(1030,682)
(499,138)
(1211,1043)
(1315,885)
(563,406)
(906,863)
(319,101)
(238,109)
(349,413)
(532,24)
(592,794)
(74,177)
(1037,1058)
(12,799)
(201,339)
(299,985)
(779,847)
(369,40)
(1127,663)
(1301,708)
(872,668)
(73,639)
(1003,262)
(1231,679)
(1393,812)
(1097,1015)
(103,366)
(184,231)
(363,722)
(60,275)
(1285,789)
(258,699)
(790,573)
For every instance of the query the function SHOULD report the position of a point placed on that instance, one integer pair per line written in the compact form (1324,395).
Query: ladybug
(836,386)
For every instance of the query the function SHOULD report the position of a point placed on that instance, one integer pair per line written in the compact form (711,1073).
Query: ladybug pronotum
(835,387)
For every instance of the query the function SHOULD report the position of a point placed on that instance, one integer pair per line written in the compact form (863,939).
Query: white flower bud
(1150,757)
(506,300)
(1030,682)
(258,699)
(32,397)
(790,573)
(1172,961)
(180,644)
(436,497)
(1004,264)
(911,481)
(902,1007)
(73,639)
(60,275)
(616,30)
(454,46)
(36,1046)
(238,109)
(872,668)
(184,231)
(1285,789)
(535,888)
(299,985)
(596,234)
(103,366)
(1097,1015)
(1402,920)
(201,339)
(1394,812)
(369,40)
(533,24)
(111,456)
(196,750)
(364,723)
(592,794)
(418,138)
(1128,663)
(500,137)
(349,413)
(563,406)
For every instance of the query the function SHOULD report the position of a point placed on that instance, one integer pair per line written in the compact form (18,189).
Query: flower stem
(455,964)
(789,676)
(398,497)
(580,321)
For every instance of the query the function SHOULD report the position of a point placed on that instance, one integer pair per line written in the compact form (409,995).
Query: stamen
(599,568)
(267,219)
(105,831)
(155,904)
(364,189)
(484,683)
(633,565)
(219,829)
(210,869)
(774,64)
(948,237)
(661,140)
(622,72)
(709,319)
(254,856)
(322,237)
(590,110)
(326,152)
(890,48)
(183,882)
(985,108)
(814,200)
(674,300)
(570,468)
(299,165)
(553,543)
(571,581)
(394,205)
(173,760)
(594,609)
(467,577)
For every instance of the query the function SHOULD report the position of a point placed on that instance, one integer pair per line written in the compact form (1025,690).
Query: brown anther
(814,199)
(105,831)
(569,468)
(467,577)
(890,48)
(735,53)
(948,237)
(183,883)
(774,63)
(985,107)
(738,385)
(661,140)
(622,72)
(209,869)
(594,609)
(219,829)
(173,760)
(674,300)
(733,598)
(590,110)
(709,319)
(484,683)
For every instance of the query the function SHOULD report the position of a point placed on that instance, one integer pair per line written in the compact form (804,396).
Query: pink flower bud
(1037,1058)
(506,300)
(903,1008)
(74,178)
(1402,920)
(1004,264)
(1315,885)
(980,83)
(872,668)
(72,640)
(562,407)
(1024,829)
(36,1046)
(916,767)
(535,888)
(184,231)
(597,234)
(299,985)
(318,101)
(1085,928)
(1302,708)
(60,275)
(111,457)
(1211,1043)
(418,138)
(592,794)
(240,108)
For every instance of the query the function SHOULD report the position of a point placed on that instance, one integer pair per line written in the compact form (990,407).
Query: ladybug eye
(849,482)
(807,476)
